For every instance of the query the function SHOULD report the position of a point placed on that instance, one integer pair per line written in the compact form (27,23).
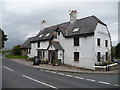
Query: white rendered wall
(44,44)
(85,50)
(46,55)
(51,47)
(33,50)
(102,33)
(60,55)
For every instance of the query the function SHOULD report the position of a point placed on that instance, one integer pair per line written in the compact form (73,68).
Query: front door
(52,57)
(39,54)
(53,54)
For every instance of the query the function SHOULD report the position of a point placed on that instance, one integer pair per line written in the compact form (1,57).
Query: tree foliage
(3,38)
(16,50)
(113,52)
(117,51)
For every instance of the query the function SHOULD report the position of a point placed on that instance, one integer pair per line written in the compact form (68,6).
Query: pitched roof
(86,27)
(26,44)
(44,32)
(57,45)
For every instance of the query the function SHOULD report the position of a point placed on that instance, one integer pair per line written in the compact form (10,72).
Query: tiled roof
(86,27)
(57,45)
(26,44)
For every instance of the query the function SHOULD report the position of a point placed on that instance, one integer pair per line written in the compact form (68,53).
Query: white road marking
(91,80)
(52,71)
(39,81)
(60,73)
(69,75)
(103,82)
(78,77)
(8,68)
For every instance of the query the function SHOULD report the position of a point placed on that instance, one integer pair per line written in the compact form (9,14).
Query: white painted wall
(33,50)
(102,33)
(60,55)
(44,44)
(46,55)
(85,49)
(51,47)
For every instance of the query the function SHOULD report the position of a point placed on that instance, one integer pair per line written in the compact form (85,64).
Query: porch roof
(57,45)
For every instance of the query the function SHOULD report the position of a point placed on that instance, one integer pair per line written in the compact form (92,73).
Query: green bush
(16,50)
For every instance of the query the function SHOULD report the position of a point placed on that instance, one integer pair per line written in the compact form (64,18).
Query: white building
(79,42)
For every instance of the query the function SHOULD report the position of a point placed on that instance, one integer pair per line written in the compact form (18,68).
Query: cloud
(22,19)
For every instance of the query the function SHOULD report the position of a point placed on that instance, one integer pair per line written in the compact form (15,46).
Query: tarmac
(63,68)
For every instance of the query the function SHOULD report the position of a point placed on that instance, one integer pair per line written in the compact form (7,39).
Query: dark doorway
(39,54)
(53,55)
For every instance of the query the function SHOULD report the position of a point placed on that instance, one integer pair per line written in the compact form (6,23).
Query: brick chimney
(73,15)
(43,25)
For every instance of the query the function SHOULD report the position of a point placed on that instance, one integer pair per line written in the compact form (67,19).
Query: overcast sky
(21,20)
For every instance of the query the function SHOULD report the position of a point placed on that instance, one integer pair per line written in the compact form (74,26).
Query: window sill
(76,60)
(106,47)
(99,46)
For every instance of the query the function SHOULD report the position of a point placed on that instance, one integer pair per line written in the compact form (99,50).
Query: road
(16,75)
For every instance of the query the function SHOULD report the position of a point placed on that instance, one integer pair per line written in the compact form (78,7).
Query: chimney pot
(43,24)
(73,15)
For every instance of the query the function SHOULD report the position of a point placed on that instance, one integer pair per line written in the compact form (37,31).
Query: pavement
(63,68)
(18,75)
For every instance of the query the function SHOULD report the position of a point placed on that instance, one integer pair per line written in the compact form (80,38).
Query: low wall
(100,68)
(113,66)
(106,68)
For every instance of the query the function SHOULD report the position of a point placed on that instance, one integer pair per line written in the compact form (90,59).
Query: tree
(117,51)
(3,38)
(113,52)
(16,50)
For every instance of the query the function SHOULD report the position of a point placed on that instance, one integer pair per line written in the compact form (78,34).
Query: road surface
(16,75)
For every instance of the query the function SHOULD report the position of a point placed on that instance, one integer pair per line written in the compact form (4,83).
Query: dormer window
(47,34)
(75,29)
(41,35)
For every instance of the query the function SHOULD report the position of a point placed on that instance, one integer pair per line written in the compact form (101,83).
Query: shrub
(16,50)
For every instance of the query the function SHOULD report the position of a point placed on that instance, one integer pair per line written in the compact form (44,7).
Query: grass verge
(15,57)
